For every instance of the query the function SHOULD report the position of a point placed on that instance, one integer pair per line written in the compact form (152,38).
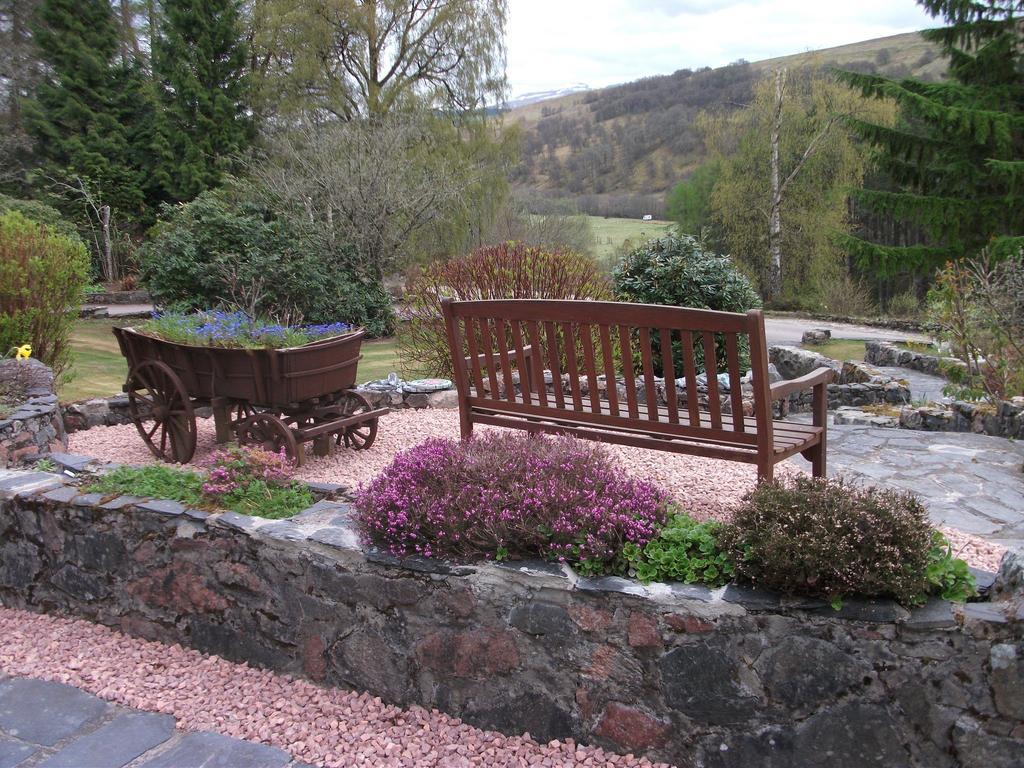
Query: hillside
(640,138)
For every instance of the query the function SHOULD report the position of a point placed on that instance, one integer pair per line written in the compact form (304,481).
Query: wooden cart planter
(269,397)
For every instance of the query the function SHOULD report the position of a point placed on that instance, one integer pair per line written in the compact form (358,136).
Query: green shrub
(686,551)
(223,251)
(904,304)
(506,271)
(42,277)
(41,213)
(676,270)
(830,539)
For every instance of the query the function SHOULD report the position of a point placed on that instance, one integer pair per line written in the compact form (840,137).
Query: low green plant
(46,465)
(686,550)
(273,499)
(155,481)
(948,576)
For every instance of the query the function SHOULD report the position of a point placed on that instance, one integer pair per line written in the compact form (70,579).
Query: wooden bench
(501,349)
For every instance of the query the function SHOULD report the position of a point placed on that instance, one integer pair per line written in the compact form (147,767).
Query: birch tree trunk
(773,285)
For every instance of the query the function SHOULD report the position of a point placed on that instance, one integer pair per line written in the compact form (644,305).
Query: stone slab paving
(974,483)
(51,725)
(923,386)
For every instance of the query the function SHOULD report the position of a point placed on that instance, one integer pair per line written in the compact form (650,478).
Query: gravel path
(706,488)
(324,726)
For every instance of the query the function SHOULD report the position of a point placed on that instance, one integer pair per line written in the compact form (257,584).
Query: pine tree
(199,60)
(957,157)
(78,115)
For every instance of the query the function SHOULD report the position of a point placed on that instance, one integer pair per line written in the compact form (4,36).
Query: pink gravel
(707,489)
(324,726)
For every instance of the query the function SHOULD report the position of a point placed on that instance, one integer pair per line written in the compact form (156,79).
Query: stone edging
(685,674)
(34,429)
(887,353)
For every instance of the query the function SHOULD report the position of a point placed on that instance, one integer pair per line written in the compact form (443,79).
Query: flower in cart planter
(234,466)
(217,328)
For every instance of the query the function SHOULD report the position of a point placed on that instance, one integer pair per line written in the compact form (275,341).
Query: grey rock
(116,743)
(120,502)
(542,619)
(88,500)
(978,749)
(336,536)
(283,529)
(236,521)
(854,735)
(79,584)
(540,715)
(64,494)
(1007,663)
(14,752)
(805,672)
(768,748)
(43,712)
(868,610)
(211,750)
(702,682)
(72,461)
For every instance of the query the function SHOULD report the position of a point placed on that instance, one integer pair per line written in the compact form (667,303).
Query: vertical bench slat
(521,366)
(648,365)
(570,358)
(556,368)
(537,359)
(668,367)
(609,369)
(506,368)
(711,371)
(732,357)
(474,357)
(587,339)
(690,371)
(627,371)
(492,370)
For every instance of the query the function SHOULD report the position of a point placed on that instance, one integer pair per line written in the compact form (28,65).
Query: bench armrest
(816,378)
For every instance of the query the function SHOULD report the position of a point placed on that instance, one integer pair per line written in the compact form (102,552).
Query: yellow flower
(24,352)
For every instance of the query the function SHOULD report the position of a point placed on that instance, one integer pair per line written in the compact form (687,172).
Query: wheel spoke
(156,426)
(163,437)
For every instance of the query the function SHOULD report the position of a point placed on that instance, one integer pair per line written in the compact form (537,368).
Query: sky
(557,43)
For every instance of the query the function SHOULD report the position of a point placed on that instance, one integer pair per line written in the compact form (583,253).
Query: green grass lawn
(840,349)
(610,234)
(97,367)
(99,370)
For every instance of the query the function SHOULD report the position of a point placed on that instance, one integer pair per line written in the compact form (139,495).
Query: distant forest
(617,150)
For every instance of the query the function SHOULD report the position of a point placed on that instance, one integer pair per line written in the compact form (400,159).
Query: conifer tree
(199,60)
(80,114)
(958,154)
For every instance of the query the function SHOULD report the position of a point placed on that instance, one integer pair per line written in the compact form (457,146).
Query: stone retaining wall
(697,677)
(886,353)
(1006,419)
(33,428)
(856,384)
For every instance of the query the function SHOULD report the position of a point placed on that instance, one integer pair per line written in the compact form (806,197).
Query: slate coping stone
(116,743)
(983,580)
(120,502)
(692,592)
(323,506)
(611,584)
(72,461)
(420,564)
(88,499)
(879,611)
(751,598)
(539,567)
(284,529)
(64,494)
(31,480)
(236,521)
(336,536)
(989,612)
(163,507)
(212,750)
(197,514)
(327,489)
(935,614)
(44,712)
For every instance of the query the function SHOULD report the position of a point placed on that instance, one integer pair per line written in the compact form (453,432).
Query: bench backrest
(491,340)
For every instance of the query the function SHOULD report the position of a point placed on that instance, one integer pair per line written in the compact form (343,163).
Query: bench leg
(465,422)
(818,458)
(765,472)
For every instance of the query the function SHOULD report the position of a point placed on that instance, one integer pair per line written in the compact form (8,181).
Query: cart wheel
(362,434)
(162,411)
(268,432)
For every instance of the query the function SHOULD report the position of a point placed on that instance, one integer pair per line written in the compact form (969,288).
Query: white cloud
(553,43)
